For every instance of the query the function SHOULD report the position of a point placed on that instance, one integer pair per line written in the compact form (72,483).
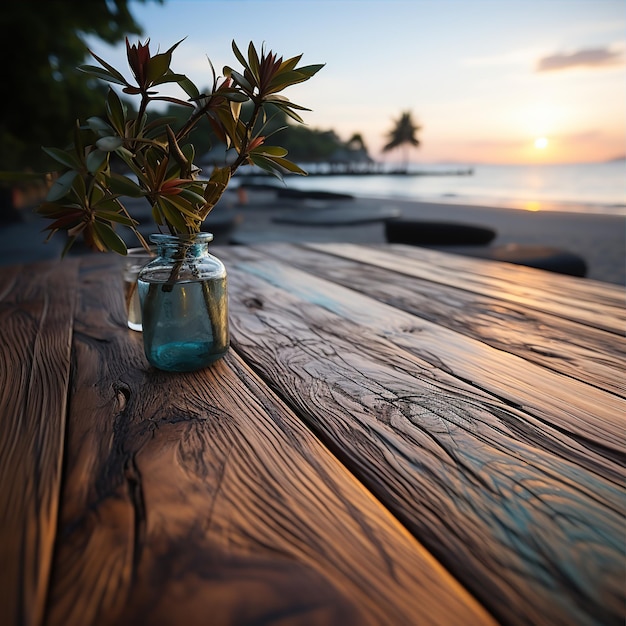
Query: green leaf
(287,110)
(212,194)
(275,151)
(276,165)
(158,65)
(52,210)
(63,157)
(80,190)
(240,56)
(109,68)
(79,133)
(227,125)
(289,166)
(189,151)
(221,175)
(188,87)
(192,197)
(234,96)
(100,127)
(253,59)
(95,160)
(124,186)
(97,195)
(120,218)
(282,100)
(311,70)
(184,206)
(172,215)
(117,112)
(109,237)
(98,72)
(285,79)
(238,78)
(157,214)
(127,156)
(169,77)
(109,144)
(266,164)
(290,64)
(61,186)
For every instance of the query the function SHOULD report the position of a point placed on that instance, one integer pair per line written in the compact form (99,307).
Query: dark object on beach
(302,194)
(541,257)
(425,233)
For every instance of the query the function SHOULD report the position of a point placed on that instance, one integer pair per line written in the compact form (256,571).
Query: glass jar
(184,304)
(132,263)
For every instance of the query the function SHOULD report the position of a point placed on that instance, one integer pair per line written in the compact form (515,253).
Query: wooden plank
(200,498)
(588,354)
(36,314)
(577,299)
(593,417)
(524,509)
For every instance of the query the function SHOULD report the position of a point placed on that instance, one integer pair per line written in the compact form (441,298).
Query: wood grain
(591,355)
(511,474)
(36,313)
(591,416)
(572,298)
(201,498)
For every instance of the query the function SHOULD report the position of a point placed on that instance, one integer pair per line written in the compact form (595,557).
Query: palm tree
(403,134)
(356,142)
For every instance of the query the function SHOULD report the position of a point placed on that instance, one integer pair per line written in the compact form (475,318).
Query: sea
(582,187)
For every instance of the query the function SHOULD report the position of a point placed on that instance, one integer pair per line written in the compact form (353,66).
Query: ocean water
(588,187)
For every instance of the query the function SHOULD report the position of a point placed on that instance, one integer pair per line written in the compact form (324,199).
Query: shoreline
(552,206)
(596,188)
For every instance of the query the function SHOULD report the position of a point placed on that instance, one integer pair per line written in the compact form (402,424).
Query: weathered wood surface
(36,314)
(564,296)
(511,473)
(593,416)
(470,458)
(587,353)
(202,499)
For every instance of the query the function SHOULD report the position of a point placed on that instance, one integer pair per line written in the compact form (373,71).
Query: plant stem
(243,153)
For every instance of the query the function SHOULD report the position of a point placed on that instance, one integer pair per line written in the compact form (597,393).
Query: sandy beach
(599,239)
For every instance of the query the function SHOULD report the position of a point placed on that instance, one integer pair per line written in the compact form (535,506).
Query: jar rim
(182,238)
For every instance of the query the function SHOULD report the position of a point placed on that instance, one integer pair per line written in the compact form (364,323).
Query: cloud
(590,57)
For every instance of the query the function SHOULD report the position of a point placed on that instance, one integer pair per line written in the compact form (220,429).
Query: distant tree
(356,142)
(403,134)
(41,46)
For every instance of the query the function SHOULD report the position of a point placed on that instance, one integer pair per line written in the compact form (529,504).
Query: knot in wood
(253,303)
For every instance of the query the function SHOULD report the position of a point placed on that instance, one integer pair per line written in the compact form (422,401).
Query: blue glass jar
(184,304)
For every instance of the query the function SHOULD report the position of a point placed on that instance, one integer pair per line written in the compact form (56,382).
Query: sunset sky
(489,81)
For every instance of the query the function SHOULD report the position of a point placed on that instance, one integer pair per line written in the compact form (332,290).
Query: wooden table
(397,436)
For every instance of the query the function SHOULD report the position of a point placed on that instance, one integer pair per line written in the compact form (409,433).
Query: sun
(541,143)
